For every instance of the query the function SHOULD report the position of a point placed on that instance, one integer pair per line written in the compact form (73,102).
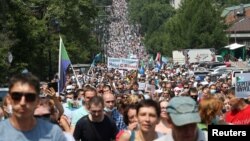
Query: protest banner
(123,63)
(242,86)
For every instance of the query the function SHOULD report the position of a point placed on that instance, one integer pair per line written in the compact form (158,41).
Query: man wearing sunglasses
(22,125)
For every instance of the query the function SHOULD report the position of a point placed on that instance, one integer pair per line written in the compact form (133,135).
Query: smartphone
(53,85)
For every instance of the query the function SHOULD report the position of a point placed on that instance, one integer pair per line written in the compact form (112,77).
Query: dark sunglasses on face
(44,117)
(29,97)
(194,97)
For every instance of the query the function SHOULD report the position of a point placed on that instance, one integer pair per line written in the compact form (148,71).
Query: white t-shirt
(202,136)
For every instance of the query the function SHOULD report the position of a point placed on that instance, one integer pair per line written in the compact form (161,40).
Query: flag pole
(59,63)
(77,81)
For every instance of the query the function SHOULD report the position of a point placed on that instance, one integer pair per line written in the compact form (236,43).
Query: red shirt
(241,117)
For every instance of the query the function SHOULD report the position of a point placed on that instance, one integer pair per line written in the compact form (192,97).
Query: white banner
(123,63)
(242,86)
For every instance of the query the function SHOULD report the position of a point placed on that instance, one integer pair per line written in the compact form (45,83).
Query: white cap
(70,88)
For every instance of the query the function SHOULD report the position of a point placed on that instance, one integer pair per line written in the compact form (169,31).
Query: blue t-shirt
(43,131)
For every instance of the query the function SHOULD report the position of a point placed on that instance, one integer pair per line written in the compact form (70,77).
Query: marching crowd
(124,38)
(171,104)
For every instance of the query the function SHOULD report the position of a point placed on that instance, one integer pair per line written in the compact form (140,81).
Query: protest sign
(123,63)
(142,86)
(242,86)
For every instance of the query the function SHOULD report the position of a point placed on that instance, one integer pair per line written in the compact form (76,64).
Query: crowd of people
(124,39)
(171,104)
(168,103)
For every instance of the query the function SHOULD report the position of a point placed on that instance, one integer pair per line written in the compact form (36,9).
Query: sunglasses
(45,116)
(29,97)
(194,96)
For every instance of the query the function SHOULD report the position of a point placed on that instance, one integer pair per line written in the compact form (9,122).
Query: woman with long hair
(163,126)
(129,117)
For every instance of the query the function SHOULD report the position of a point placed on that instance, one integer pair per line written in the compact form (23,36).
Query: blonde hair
(133,99)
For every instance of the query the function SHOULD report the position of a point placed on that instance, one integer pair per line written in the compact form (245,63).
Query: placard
(242,85)
(123,63)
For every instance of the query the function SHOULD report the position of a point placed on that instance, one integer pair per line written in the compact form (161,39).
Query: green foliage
(197,24)
(158,41)
(30,30)
(151,15)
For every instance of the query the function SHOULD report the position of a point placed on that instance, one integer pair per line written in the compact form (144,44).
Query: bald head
(109,101)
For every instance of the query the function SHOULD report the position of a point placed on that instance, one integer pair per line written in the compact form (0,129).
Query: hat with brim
(183,110)
(184,119)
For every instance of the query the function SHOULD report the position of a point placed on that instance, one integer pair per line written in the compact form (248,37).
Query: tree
(7,39)
(31,31)
(151,15)
(197,24)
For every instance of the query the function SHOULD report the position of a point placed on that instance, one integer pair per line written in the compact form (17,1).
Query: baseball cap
(70,88)
(183,110)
